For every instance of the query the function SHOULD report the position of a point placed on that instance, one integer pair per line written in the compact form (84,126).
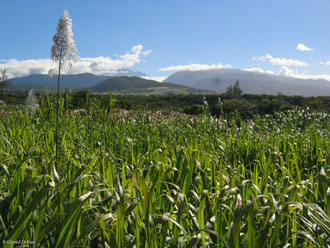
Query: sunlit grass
(155,181)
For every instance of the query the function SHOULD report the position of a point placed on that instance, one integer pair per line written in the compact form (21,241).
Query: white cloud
(194,67)
(18,68)
(158,79)
(259,70)
(325,63)
(304,48)
(280,61)
(97,65)
(285,71)
(254,70)
(291,73)
(270,72)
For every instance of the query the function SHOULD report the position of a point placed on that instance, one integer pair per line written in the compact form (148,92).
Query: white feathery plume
(63,51)
(31,101)
(64,48)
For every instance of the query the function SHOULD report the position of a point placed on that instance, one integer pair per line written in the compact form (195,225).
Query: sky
(161,37)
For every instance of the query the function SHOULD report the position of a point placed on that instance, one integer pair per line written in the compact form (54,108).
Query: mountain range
(70,81)
(218,80)
(128,84)
(137,85)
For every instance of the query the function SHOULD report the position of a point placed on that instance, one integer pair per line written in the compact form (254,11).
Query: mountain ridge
(71,81)
(218,80)
(138,85)
(100,84)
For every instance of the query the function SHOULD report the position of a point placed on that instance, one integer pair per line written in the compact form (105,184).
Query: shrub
(194,109)
(238,105)
(316,104)
(79,99)
(269,106)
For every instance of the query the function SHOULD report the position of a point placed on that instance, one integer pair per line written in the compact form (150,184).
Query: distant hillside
(74,81)
(251,82)
(127,72)
(137,85)
(68,81)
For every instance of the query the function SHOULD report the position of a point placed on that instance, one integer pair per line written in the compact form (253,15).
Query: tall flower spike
(63,51)
(64,48)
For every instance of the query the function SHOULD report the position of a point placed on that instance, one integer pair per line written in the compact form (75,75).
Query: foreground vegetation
(163,180)
(247,105)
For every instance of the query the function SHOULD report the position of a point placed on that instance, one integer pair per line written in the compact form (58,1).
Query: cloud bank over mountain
(281,61)
(195,67)
(252,81)
(96,65)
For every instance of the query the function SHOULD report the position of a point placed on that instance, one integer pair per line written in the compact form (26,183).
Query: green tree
(230,89)
(235,89)
(4,81)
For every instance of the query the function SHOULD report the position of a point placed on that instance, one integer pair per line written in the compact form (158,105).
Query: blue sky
(159,37)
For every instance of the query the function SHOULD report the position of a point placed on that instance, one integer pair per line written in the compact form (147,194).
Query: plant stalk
(58,106)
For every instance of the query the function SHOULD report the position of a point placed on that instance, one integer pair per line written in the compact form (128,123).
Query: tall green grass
(157,181)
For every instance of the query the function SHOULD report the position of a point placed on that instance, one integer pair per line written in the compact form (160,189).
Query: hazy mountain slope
(250,82)
(127,72)
(70,81)
(140,85)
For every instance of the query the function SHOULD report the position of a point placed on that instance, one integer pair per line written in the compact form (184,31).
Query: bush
(194,109)
(269,106)
(316,104)
(216,110)
(239,105)
(123,104)
(79,99)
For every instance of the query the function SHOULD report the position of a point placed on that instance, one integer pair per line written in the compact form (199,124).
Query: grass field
(163,180)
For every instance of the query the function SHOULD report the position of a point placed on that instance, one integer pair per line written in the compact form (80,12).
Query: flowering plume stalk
(63,51)
(31,101)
